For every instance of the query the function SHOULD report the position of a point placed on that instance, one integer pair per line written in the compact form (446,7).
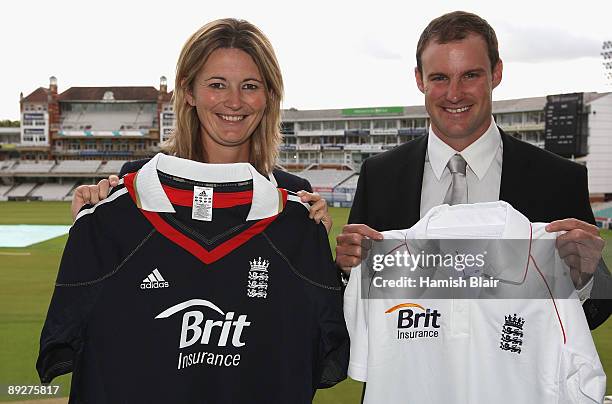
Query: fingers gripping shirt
(536,350)
(245,307)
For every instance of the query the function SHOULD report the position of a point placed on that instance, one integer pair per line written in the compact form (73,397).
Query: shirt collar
(478,155)
(493,222)
(485,220)
(152,197)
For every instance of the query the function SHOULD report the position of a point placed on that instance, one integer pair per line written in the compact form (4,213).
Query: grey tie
(457,191)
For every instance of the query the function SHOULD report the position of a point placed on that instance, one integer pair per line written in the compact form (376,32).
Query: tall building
(85,123)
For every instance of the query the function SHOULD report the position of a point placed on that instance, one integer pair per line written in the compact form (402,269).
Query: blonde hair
(186,141)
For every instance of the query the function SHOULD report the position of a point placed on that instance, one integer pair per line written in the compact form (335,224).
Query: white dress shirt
(483,172)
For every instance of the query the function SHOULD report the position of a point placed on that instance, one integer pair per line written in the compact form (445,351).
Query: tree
(7,123)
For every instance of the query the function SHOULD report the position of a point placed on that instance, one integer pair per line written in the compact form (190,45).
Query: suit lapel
(411,182)
(514,188)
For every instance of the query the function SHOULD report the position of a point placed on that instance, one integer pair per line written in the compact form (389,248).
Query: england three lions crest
(512,334)
(257,283)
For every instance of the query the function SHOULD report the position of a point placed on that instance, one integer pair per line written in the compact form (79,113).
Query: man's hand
(348,244)
(91,194)
(580,248)
(318,208)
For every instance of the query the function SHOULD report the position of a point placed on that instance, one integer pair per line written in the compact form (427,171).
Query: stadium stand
(77,166)
(30,167)
(3,190)
(328,183)
(68,197)
(325,178)
(52,191)
(111,167)
(5,166)
(350,183)
(108,120)
(21,190)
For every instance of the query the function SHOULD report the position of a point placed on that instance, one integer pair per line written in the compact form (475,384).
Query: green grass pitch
(27,283)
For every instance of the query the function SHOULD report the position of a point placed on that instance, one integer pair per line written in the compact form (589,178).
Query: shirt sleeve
(317,264)
(581,378)
(87,259)
(581,375)
(585,292)
(310,259)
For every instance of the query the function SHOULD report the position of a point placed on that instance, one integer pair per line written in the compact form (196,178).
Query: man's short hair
(456,26)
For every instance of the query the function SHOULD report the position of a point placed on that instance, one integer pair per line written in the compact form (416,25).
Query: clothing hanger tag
(202,204)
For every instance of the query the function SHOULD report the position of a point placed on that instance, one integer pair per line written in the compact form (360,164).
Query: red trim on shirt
(194,248)
(184,197)
(547,287)
(551,298)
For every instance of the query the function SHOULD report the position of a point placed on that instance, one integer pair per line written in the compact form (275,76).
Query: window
(510,119)
(310,126)
(385,124)
(534,117)
(288,127)
(413,123)
(363,125)
(333,125)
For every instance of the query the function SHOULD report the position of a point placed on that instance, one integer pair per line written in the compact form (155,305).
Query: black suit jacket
(541,185)
(284,179)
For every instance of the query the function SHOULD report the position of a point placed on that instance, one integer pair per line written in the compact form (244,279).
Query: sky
(333,53)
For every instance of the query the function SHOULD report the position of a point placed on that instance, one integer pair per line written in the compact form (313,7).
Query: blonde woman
(171,309)
(227,99)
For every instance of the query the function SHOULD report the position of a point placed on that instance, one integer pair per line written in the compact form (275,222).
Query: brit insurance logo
(154,281)
(512,334)
(257,282)
(212,329)
(415,321)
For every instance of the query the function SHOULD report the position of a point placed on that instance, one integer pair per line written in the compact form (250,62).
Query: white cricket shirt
(474,350)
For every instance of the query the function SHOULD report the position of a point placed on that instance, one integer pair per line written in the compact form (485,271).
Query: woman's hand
(91,194)
(318,208)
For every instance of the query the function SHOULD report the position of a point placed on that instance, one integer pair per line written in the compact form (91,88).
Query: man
(458,66)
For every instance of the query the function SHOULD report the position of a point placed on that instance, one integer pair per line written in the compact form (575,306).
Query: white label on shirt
(202,204)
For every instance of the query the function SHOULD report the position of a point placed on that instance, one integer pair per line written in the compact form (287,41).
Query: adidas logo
(154,281)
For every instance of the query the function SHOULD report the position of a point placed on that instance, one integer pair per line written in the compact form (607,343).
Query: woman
(274,346)
(227,104)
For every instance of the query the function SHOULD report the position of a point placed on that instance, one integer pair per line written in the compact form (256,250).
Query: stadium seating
(330,184)
(107,121)
(43,166)
(111,167)
(325,178)
(350,183)
(77,166)
(6,165)
(21,190)
(53,191)
(4,189)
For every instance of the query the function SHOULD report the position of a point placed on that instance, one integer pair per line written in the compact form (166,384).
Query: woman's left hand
(318,208)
